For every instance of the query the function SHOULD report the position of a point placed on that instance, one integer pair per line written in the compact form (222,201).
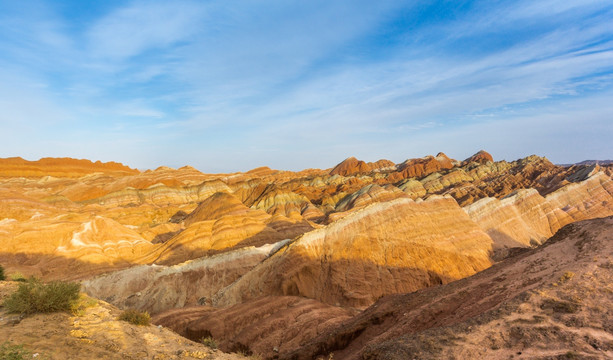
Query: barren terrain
(428,258)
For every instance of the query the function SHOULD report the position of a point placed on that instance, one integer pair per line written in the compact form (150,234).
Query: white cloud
(548,8)
(143,26)
(294,85)
(258,50)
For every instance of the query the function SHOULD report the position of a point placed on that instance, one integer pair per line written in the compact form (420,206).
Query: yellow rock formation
(392,247)
(68,218)
(526,218)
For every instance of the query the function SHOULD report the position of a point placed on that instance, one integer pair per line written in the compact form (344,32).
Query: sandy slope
(96,335)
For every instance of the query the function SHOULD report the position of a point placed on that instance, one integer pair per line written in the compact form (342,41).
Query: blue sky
(232,85)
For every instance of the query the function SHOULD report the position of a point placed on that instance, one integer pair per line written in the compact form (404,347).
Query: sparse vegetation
(564,278)
(567,276)
(2,276)
(17,276)
(209,342)
(34,296)
(571,355)
(251,356)
(560,306)
(136,317)
(83,302)
(9,351)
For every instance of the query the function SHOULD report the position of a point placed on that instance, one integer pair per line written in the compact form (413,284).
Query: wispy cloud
(315,81)
(143,26)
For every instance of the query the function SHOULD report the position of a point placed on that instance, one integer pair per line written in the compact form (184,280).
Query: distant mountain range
(591,162)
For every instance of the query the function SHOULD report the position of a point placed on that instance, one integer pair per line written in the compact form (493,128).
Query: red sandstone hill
(60,167)
(351,166)
(409,168)
(481,157)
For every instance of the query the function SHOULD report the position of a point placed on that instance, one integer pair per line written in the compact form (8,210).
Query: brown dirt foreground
(96,334)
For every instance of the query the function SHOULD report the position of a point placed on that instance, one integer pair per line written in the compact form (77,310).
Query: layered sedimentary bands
(391,247)
(272,262)
(549,302)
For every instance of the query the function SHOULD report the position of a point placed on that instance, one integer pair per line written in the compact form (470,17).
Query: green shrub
(209,342)
(34,296)
(13,352)
(17,276)
(2,276)
(135,317)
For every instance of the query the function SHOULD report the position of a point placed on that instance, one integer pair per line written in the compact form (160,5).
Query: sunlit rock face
(549,294)
(425,166)
(60,167)
(94,217)
(77,218)
(368,195)
(526,218)
(482,157)
(587,199)
(351,166)
(390,247)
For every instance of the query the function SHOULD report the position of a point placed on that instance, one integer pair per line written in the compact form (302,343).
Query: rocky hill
(328,243)
(95,334)
(60,167)
(550,302)
(391,247)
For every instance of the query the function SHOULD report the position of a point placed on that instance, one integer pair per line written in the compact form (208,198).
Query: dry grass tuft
(135,317)
(209,342)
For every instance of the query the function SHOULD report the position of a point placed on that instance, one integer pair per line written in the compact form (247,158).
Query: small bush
(17,276)
(135,317)
(209,342)
(34,296)
(13,352)
(2,276)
